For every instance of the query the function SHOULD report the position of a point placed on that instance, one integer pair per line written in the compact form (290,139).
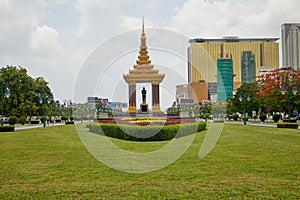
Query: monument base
(144,108)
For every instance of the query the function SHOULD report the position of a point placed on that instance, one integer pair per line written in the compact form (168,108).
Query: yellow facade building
(204,53)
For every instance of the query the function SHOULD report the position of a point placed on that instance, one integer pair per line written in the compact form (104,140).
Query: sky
(60,39)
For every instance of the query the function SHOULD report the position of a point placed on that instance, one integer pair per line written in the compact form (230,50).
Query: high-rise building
(263,70)
(224,78)
(204,53)
(198,91)
(290,33)
(182,92)
(248,67)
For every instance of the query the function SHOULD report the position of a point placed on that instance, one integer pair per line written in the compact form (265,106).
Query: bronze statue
(144,91)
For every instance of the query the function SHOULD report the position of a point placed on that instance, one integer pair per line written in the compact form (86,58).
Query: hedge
(292,120)
(34,121)
(69,122)
(7,128)
(12,120)
(276,117)
(287,125)
(146,133)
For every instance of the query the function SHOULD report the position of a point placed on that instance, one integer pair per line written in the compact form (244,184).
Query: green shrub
(64,118)
(69,122)
(201,126)
(71,118)
(263,117)
(43,119)
(276,118)
(287,125)
(34,121)
(12,120)
(7,128)
(146,133)
(58,120)
(22,120)
(292,120)
(235,117)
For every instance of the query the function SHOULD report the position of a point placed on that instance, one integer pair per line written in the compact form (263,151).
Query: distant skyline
(53,38)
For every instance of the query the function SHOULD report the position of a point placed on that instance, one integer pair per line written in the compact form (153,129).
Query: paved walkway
(273,125)
(36,126)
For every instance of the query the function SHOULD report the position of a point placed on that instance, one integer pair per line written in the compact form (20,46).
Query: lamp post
(289,98)
(4,93)
(245,99)
(45,99)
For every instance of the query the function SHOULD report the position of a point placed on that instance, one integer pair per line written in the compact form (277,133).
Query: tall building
(248,67)
(204,53)
(263,70)
(198,91)
(290,33)
(181,92)
(224,78)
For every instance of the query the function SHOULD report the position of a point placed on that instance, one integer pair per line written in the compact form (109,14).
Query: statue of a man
(144,95)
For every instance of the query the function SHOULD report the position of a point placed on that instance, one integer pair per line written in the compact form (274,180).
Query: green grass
(247,163)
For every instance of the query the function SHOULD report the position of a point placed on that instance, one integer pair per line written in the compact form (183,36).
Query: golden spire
(143,57)
(143,29)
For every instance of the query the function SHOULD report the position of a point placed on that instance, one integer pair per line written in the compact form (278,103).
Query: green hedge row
(69,122)
(34,121)
(292,120)
(287,125)
(146,133)
(7,128)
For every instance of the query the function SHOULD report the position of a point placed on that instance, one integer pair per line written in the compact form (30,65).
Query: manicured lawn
(248,162)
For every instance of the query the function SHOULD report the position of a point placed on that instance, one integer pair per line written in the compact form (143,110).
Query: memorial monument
(143,72)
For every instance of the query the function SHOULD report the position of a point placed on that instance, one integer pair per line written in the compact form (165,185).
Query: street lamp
(4,92)
(245,99)
(289,98)
(45,99)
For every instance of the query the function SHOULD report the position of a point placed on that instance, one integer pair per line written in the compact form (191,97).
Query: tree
(246,90)
(25,92)
(271,85)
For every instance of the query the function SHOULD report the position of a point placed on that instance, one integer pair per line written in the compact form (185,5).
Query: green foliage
(64,118)
(201,126)
(174,110)
(12,120)
(71,118)
(24,90)
(292,120)
(246,90)
(43,119)
(287,125)
(22,120)
(34,121)
(235,117)
(276,117)
(147,133)
(7,128)
(263,117)
(69,122)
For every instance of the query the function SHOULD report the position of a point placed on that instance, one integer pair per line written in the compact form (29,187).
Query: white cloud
(246,18)
(46,40)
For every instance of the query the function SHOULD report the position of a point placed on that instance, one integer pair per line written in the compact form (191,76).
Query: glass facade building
(224,78)
(290,34)
(248,67)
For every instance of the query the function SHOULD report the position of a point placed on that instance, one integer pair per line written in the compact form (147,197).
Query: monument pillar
(132,98)
(155,98)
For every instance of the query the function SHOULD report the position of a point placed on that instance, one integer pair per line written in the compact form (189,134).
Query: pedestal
(144,108)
